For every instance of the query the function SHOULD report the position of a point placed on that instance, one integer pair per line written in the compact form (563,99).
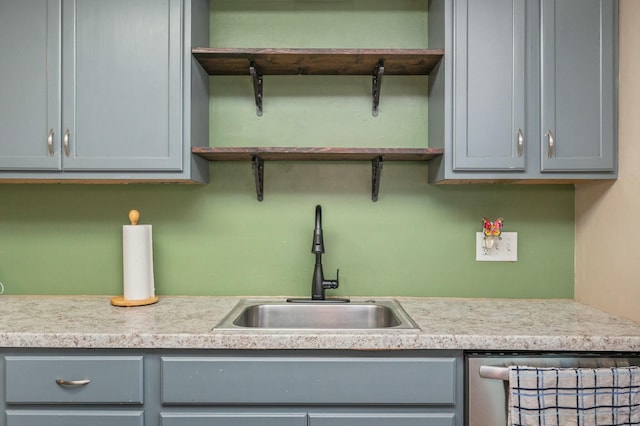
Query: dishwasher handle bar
(493,372)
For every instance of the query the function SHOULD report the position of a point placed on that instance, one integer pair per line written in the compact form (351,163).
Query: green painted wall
(417,240)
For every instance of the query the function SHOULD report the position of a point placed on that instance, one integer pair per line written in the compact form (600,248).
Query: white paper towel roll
(137,257)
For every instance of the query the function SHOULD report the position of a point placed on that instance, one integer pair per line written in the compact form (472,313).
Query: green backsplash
(216,239)
(417,240)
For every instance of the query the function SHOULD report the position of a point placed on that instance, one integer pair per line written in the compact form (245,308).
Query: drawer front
(232,419)
(111,380)
(382,419)
(74,418)
(294,380)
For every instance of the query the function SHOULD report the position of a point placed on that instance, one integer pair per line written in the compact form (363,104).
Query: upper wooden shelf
(227,61)
(308,154)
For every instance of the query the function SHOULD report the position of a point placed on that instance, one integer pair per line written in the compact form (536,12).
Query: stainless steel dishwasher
(486,378)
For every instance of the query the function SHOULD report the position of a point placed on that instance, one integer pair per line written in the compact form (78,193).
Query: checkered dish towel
(574,396)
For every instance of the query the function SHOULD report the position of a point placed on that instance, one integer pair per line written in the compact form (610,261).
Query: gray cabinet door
(578,126)
(382,419)
(29,84)
(239,418)
(122,100)
(489,80)
(74,418)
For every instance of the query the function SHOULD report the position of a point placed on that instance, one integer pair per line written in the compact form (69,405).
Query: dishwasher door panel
(486,399)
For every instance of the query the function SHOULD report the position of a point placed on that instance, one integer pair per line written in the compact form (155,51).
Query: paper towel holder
(134,216)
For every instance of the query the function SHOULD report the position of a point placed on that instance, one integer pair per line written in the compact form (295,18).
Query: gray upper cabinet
(29,84)
(529,93)
(121,102)
(489,105)
(106,90)
(578,85)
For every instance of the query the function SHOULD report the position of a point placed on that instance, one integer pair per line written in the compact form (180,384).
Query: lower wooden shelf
(258,155)
(316,154)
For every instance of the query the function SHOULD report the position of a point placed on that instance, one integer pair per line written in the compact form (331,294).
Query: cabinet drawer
(74,418)
(382,419)
(111,380)
(234,419)
(308,380)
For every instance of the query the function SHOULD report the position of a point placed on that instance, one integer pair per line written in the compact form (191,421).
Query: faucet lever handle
(329,284)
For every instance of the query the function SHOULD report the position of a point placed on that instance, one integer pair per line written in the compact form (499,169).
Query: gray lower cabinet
(239,418)
(231,388)
(101,90)
(533,94)
(73,418)
(312,389)
(382,419)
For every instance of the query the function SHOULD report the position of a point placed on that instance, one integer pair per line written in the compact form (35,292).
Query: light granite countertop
(188,322)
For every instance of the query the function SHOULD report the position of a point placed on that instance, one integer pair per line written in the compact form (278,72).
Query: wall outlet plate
(503,249)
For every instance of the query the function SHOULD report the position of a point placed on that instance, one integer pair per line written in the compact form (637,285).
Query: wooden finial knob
(134,216)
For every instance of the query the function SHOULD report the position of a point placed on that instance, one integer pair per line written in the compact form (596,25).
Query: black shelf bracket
(376,176)
(376,85)
(257,164)
(257,86)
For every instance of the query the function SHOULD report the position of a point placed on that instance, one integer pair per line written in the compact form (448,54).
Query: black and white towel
(574,396)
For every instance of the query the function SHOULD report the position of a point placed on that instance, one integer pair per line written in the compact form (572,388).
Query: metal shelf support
(257,164)
(257,86)
(376,176)
(376,86)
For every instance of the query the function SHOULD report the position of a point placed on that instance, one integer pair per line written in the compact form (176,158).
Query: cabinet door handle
(63,382)
(551,143)
(520,142)
(50,143)
(65,143)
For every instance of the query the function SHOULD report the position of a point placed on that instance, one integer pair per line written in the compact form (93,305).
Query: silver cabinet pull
(50,143)
(63,382)
(520,142)
(551,143)
(65,143)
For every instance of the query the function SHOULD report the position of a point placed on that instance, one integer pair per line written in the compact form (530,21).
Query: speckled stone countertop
(189,323)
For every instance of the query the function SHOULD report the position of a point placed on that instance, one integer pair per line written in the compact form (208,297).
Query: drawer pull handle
(63,382)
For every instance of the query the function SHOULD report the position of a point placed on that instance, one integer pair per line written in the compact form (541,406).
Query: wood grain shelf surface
(228,61)
(320,154)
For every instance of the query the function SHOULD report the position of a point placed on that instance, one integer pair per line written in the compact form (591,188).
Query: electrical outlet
(503,249)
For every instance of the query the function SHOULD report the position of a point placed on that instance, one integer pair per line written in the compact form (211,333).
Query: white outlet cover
(503,249)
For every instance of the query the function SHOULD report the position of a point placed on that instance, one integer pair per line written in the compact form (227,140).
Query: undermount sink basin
(382,314)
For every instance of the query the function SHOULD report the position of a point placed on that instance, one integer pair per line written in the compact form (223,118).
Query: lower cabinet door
(381,419)
(74,418)
(234,419)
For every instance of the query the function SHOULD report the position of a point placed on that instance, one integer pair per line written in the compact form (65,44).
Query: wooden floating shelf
(311,154)
(258,155)
(229,61)
(372,62)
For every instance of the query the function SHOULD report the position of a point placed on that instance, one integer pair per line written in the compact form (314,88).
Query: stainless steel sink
(272,314)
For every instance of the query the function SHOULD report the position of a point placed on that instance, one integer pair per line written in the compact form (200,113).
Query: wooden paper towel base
(121,301)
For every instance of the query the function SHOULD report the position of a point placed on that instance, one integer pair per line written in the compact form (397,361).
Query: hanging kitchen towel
(574,396)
